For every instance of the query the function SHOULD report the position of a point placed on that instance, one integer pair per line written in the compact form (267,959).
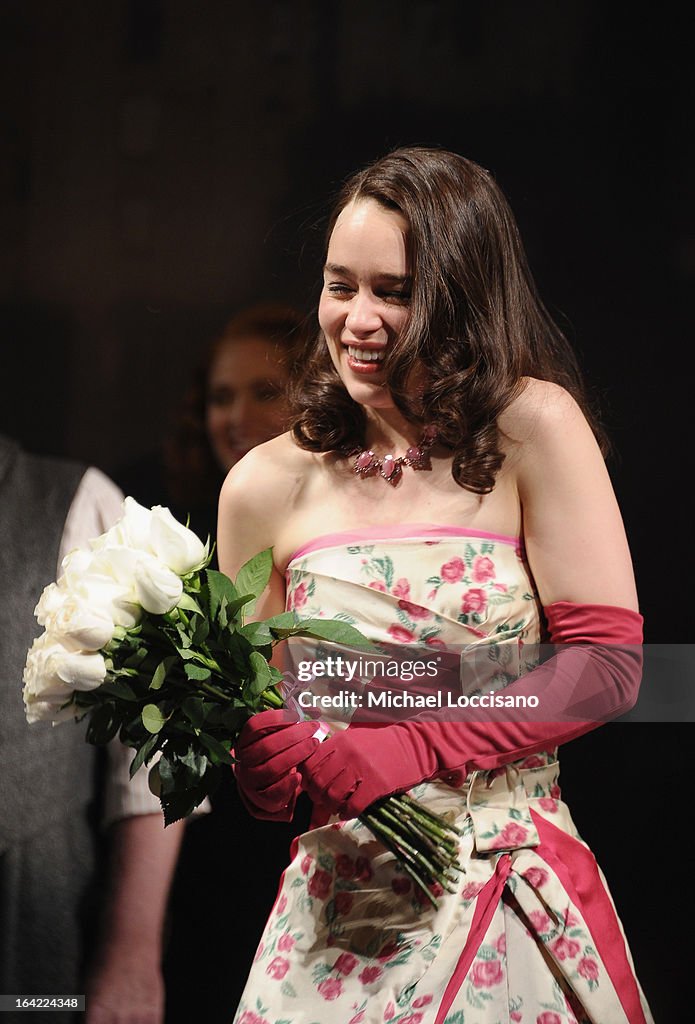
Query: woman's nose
(363,315)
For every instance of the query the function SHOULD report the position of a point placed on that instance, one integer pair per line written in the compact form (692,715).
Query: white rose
(115,565)
(177,546)
(103,582)
(110,583)
(50,601)
(78,618)
(81,670)
(75,565)
(52,671)
(112,598)
(41,680)
(48,711)
(132,530)
(137,525)
(157,588)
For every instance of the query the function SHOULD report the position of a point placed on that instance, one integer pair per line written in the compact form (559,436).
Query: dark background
(167,162)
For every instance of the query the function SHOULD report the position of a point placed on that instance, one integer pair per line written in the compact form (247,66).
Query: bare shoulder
(573,531)
(539,411)
(269,471)
(256,498)
(548,439)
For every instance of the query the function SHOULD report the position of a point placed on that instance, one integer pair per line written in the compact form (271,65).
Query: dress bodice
(417,591)
(418,584)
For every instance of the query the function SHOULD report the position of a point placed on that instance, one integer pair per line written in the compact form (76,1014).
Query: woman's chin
(370,393)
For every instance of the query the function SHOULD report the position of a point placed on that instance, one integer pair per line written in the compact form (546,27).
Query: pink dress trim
(486,904)
(397,531)
(585,887)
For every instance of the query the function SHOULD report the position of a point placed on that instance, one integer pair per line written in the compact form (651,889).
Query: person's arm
(573,531)
(125,984)
(251,500)
(254,494)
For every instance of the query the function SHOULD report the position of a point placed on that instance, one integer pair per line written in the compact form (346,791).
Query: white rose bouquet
(150,643)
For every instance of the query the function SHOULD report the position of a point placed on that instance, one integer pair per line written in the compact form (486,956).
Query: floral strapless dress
(531,934)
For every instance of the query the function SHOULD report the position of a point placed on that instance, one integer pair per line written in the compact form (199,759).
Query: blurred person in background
(70,826)
(238,400)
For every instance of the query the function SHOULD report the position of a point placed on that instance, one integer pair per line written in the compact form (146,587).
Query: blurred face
(246,398)
(366,296)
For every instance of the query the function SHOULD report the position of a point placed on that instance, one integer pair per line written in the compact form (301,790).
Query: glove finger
(334,788)
(264,723)
(273,745)
(262,775)
(323,754)
(277,795)
(281,811)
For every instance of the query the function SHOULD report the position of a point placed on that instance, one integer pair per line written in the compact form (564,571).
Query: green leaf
(262,676)
(184,636)
(218,752)
(160,673)
(285,620)
(194,710)
(103,725)
(236,650)
(253,577)
(219,587)
(181,803)
(201,631)
(143,753)
(331,629)
(180,794)
(232,719)
(234,606)
(136,658)
(257,633)
(186,654)
(189,604)
(118,688)
(152,718)
(181,771)
(197,673)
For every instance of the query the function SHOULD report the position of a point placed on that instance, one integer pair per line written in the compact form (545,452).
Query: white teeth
(366,355)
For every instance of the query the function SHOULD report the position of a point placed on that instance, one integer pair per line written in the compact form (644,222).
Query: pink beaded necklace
(390,467)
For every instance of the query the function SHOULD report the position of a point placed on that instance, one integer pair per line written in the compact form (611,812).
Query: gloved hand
(364,763)
(269,749)
(352,768)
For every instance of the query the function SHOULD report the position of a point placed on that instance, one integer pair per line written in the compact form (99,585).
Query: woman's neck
(387,429)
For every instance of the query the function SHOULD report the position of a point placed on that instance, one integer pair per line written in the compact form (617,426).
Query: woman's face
(246,398)
(365,300)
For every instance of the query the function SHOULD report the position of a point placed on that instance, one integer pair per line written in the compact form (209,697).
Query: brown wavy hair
(192,474)
(476,320)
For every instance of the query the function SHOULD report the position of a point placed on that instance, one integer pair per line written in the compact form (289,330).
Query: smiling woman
(436,354)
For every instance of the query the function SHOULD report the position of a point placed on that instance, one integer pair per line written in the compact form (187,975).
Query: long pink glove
(353,768)
(269,751)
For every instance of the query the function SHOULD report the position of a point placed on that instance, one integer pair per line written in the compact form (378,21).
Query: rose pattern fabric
(482,589)
(359,945)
